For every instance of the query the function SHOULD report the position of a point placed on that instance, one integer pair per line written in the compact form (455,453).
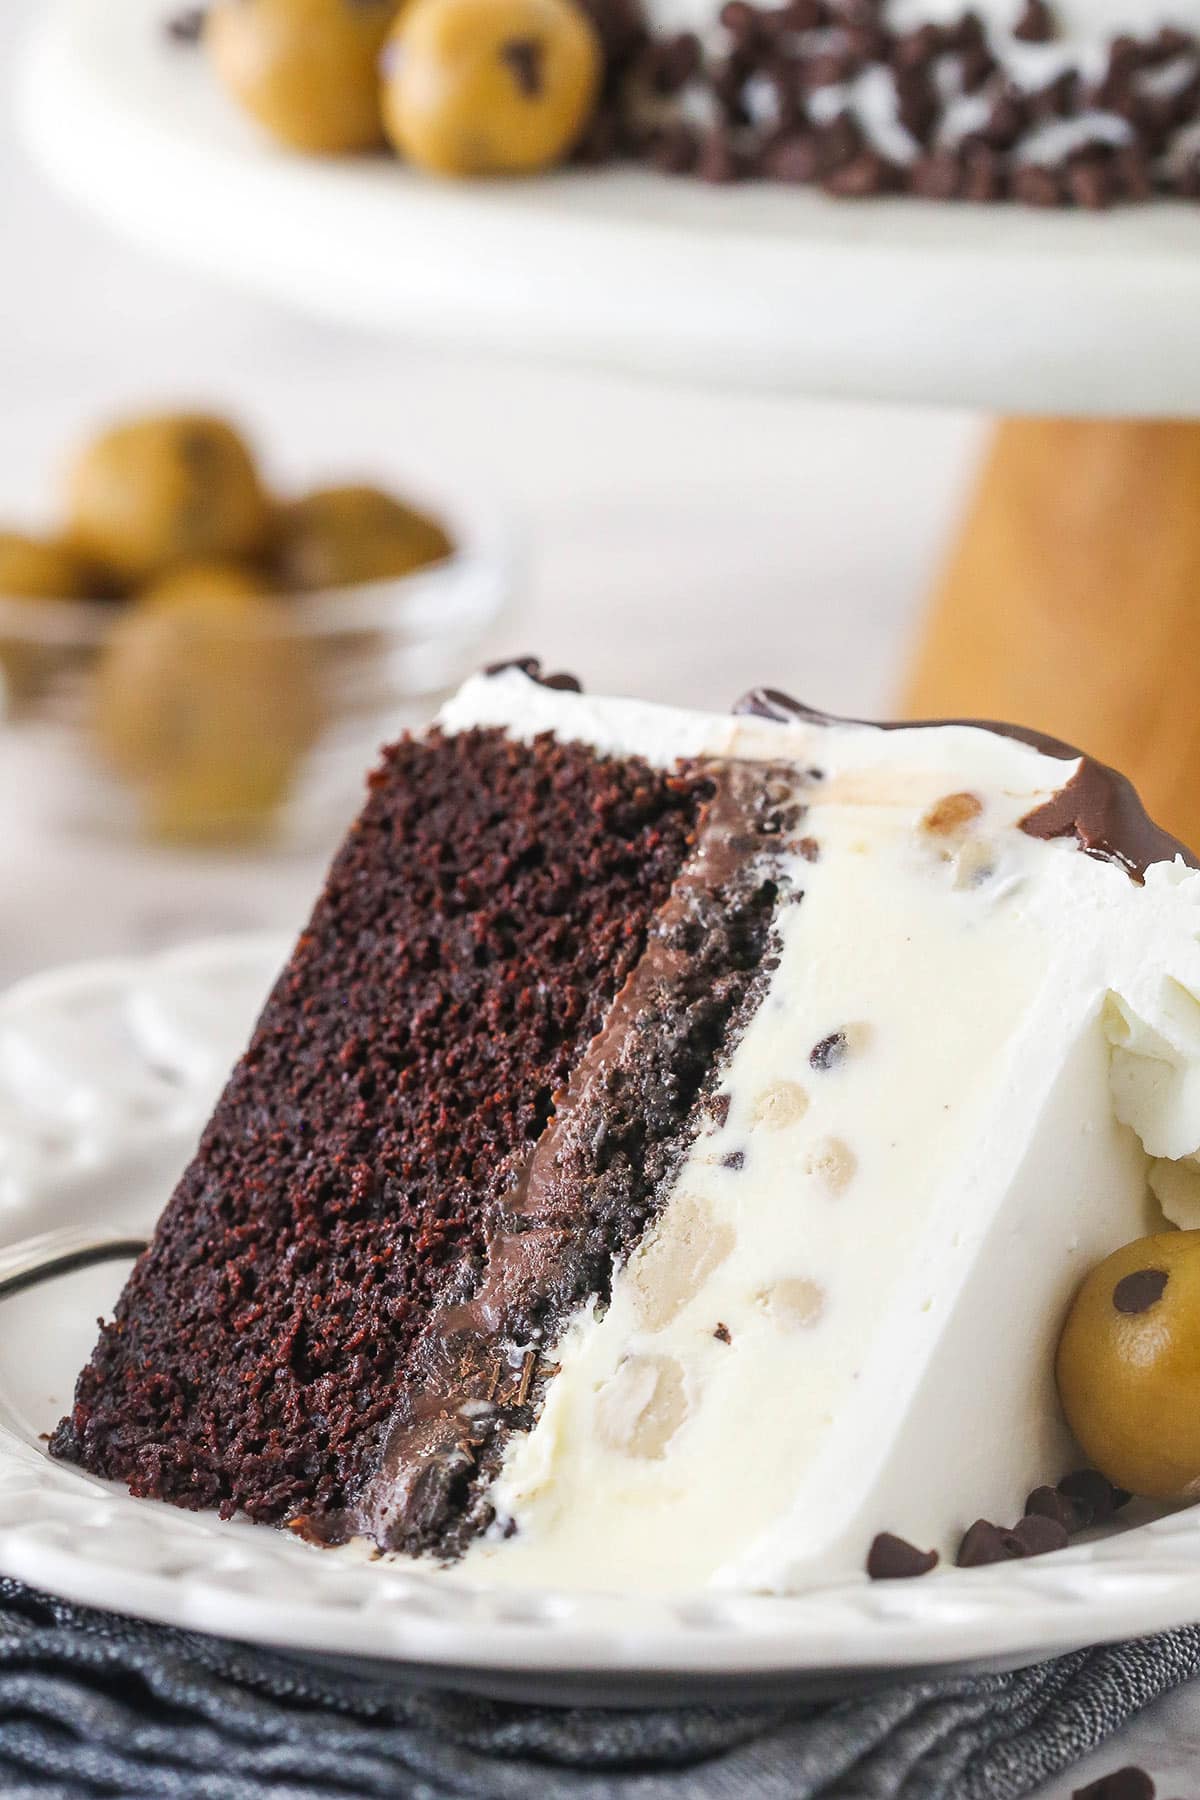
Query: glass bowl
(241,730)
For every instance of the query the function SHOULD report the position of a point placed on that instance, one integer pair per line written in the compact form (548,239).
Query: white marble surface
(684,546)
(1164,1740)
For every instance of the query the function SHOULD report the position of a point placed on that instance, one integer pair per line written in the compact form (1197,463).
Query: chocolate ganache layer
(576,1206)
(1098,805)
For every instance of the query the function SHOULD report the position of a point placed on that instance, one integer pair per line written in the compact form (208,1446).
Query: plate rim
(89,1541)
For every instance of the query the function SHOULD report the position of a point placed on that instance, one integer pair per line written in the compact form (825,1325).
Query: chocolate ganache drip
(1097,806)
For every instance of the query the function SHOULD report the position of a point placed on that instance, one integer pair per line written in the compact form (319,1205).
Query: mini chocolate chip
(868,41)
(524,56)
(830,69)
(862,177)
(984,176)
(985,1543)
(936,177)
(915,48)
(1129,1783)
(841,142)
(1037,1535)
(976,68)
(795,157)
(1096,1492)
(187,27)
(1091,184)
(829,1052)
(1036,185)
(675,149)
(667,66)
(1048,1503)
(802,15)
(1006,121)
(722,1333)
(741,20)
(1037,24)
(894,1559)
(736,1159)
(916,104)
(1138,1292)
(1131,171)
(718,161)
(532,667)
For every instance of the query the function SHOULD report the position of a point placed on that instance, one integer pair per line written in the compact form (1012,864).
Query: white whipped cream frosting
(853,1331)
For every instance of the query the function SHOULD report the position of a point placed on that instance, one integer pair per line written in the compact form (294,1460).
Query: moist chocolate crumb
(718,1108)
(985,1543)
(1096,1492)
(736,1159)
(1038,1535)
(524,57)
(809,849)
(893,1558)
(187,27)
(829,1052)
(1138,1292)
(477,925)
(1129,1783)
(1048,1503)
(723,1334)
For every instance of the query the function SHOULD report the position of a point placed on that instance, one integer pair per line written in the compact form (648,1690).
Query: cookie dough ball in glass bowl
(36,575)
(152,492)
(339,537)
(205,703)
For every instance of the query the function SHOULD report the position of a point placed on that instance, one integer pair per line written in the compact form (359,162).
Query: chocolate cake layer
(632,1108)
(477,925)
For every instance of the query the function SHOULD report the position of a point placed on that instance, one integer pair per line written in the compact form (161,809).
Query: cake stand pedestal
(1072,600)
(1069,600)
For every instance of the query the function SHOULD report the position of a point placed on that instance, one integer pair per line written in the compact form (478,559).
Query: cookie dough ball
(153,492)
(340,536)
(205,704)
(307,70)
(33,569)
(490,87)
(1129,1366)
(217,582)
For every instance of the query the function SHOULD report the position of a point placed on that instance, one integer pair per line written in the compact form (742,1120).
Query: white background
(683,545)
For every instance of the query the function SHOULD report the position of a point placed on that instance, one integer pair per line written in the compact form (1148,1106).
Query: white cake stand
(774,288)
(1073,601)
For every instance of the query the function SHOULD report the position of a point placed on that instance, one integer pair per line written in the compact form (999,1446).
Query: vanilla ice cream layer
(941,1114)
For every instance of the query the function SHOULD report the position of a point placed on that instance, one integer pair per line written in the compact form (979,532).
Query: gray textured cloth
(92,1705)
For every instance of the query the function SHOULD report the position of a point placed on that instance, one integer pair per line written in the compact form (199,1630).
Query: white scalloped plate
(107,1071)
(756,285)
